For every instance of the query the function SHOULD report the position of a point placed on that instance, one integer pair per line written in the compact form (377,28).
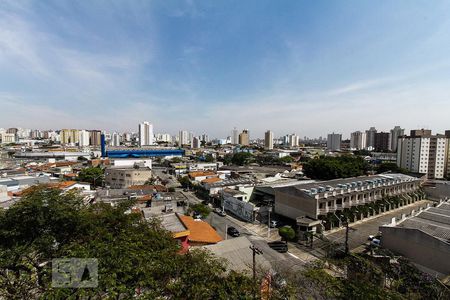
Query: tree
(134,255)
(209,158)
(286,159)
(390,167)
(326,168)
(185,182)
(242,158)
(93,175)
(201,209)
(176,160)
(287,233)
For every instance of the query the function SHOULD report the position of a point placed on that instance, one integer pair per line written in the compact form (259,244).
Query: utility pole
(268,224)
(255,251)
(346,237)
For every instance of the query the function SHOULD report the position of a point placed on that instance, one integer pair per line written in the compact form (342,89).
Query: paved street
(282,260)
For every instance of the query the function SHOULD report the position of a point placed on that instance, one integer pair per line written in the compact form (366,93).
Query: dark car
(279,246)
(233,232)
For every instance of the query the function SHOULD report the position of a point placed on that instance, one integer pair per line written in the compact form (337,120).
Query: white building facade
(358,140)
(146,136)
(424,154)
(334,141)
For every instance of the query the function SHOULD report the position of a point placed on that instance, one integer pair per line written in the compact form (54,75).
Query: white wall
(130,162)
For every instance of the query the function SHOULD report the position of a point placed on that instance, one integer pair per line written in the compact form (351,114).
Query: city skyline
(308,68)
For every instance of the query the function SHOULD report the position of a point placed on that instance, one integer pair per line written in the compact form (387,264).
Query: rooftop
(200,231)
(304,189)
(201,173)
(211,180)
(434,221)
(233,192)
(173,223)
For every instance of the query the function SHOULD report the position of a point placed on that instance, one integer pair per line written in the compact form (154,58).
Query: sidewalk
(258,229)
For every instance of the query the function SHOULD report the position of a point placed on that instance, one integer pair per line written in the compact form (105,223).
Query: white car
(375,242)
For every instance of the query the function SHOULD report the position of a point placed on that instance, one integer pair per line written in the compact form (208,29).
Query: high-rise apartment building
(146,136)
(191,138)
(70,136)
(396,132)
(115,139)
(83,138)
(164,137)
(268,140)
(235,136)
(358,140)
(381,142)
(370,138)
(7,138)
(244,138)
(196,142)
(205,138)
(334,141)
(183,138)
(291,140)
(424,153)
(95,137)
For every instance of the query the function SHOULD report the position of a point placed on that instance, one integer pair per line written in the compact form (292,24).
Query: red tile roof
(200,231)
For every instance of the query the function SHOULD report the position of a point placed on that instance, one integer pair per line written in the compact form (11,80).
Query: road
(279,260)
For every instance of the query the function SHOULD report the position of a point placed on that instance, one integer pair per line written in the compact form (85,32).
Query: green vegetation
(271,160)
(133,254)
(287,233)
(201,209)
(209,158)
(93,175)
(390,167)
(367,278)
(242,158)
(362,152)
(176,160)
(185,182)
(171,189)
(326,168)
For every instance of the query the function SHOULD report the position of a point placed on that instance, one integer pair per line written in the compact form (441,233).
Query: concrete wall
(123,178)
(294,206)
(240,208)
(418,246)
(3,193)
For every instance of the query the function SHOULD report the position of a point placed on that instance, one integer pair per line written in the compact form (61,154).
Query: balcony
(322,211)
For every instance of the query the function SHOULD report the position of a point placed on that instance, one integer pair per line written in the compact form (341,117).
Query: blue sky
(309,67)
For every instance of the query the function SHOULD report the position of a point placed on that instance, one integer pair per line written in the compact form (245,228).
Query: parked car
(375,242)
(233,232)
(279,246)
(220,212)
(197,216)
(273,224)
